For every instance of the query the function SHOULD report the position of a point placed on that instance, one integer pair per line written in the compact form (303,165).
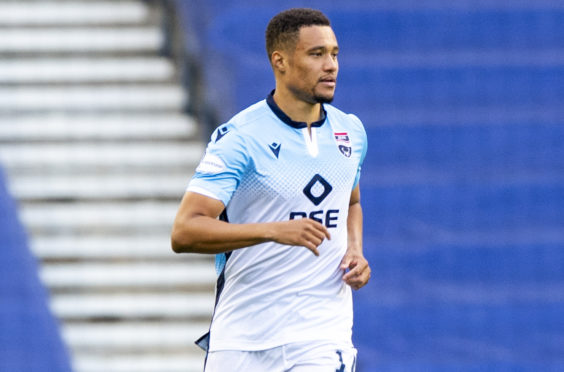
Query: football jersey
(264,167)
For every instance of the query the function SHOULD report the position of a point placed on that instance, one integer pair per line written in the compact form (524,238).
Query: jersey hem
(235,345)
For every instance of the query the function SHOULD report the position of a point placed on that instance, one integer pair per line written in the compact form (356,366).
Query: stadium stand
(98,143)
(29,336)
(462,188)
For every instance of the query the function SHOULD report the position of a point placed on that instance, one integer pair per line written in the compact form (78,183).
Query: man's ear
(279,61)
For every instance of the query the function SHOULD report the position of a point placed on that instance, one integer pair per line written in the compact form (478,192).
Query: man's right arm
(196,229)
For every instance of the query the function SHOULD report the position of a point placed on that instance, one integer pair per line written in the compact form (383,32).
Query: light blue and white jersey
(265,167)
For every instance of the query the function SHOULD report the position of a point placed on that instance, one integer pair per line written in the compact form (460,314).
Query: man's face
(313,66)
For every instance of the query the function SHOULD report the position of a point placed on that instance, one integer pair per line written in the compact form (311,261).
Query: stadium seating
(462,188)
(97,144)
(29,336)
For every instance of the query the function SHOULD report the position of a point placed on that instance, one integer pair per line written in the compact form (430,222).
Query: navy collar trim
(286,119)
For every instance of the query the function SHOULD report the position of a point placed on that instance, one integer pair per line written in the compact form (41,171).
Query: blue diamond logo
(313,187)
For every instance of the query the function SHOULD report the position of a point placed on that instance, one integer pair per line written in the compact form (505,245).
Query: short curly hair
(283,29)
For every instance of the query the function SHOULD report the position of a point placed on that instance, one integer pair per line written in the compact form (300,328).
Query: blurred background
(105,109)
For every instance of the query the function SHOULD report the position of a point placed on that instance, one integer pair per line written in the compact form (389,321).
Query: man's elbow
(181,242)
(176,246)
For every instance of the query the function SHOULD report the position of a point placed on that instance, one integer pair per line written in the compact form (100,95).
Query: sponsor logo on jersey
(211,164)
(343,143)
(275,148)
(328,218)
(317,189)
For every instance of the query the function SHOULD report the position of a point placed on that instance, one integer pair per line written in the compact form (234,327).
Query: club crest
(343,143)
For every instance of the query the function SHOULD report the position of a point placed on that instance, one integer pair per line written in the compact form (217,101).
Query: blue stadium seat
(29,335)
(463,187)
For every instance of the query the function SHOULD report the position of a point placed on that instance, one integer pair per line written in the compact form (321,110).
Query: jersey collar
(286,119)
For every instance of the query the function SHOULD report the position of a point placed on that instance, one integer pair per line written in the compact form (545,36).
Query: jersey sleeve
(363,142)
(219,173)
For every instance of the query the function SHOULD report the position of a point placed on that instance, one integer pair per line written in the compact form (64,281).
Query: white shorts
(296,357)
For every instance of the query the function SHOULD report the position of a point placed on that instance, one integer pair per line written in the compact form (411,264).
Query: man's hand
(359,271)
(303,232)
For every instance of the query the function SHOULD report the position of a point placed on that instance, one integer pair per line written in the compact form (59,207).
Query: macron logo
(221,132)
(275,148)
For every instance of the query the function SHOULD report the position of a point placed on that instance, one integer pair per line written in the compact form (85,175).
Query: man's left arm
(358,272)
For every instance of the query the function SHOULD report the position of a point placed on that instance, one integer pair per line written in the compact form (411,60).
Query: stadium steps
(85,98)
(91,187)
(80,127)
(125,275)
(132,306)
(72,39)
(91,154)
(132,336)
(69,70)
(107,216)
(72,13)
(148,247)
(98,149)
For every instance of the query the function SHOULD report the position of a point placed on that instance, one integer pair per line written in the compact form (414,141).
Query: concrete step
(93,98)
(81,70)
(131,275)
(126,336)
(97,155)
(141,246)
(102,218)
(81,39)
(92,187)
(133,126)
(133,306)
(72,12)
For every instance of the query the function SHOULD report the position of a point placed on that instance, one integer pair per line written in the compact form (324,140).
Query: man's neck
(296,109)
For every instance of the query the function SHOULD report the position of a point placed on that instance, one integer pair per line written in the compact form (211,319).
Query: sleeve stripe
(202,191)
